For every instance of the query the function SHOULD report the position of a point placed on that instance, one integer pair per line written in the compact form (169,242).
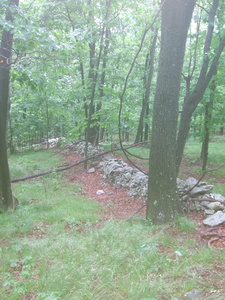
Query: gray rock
(181,185)
(100,192)
(200,190)
(185,198)
(92,170)
(216,206)
(216,219)
(218,197)
(191,182)
(198,206)
(205,203)
(209,212)
(195,294)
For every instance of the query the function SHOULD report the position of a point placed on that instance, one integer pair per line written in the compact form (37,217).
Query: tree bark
(6,198)
(162,196)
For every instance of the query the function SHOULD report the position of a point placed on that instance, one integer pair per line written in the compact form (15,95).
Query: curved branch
(126,81)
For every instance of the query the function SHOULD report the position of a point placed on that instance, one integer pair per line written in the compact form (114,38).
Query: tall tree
(149,70)
(207,125)
(6,198)
(162,197)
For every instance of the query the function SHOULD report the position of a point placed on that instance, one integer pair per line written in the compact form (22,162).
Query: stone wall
(193,194)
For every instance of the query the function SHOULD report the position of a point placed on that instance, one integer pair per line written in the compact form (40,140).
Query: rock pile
(195,195)
(122,175)
(79,147)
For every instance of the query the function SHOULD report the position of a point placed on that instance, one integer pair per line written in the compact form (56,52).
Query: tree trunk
(207,125)
(149,70)
(103,75)
(162,196)
(6,198)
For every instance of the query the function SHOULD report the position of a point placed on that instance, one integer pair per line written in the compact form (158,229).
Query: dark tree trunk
(6,198)
(102,81)
(149,70)
(162,202)
(92,132)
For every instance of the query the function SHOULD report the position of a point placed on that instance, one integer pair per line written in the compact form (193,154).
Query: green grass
(55,246)
(216,158)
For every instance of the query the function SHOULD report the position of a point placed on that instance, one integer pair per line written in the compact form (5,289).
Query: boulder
(200,190)
(216,206)
(215,220)
(194,294)
(209,212)
(91,170)
(218,197)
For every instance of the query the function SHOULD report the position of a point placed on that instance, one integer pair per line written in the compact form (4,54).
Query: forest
(140,85)
(113,71)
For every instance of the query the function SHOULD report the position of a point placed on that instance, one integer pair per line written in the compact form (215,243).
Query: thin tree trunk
(146,132)
(207,125)
(6,198)
(102,81)
(149,70)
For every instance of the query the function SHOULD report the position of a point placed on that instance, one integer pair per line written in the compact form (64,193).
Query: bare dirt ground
(118,205)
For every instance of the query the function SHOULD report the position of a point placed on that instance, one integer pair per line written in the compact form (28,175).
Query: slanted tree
(162,204)
(6,197)
(208,69)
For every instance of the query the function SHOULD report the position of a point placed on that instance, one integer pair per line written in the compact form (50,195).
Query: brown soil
(117,203)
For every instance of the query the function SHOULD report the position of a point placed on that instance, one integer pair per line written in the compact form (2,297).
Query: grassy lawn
(55,247)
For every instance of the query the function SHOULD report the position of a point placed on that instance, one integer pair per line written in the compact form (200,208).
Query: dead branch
(213,235)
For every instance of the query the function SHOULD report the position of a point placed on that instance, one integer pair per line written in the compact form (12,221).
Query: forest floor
(118,205)
(65,228)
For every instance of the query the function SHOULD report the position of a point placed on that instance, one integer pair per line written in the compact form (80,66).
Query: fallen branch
(64,168)
(213,235)
(212,240)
